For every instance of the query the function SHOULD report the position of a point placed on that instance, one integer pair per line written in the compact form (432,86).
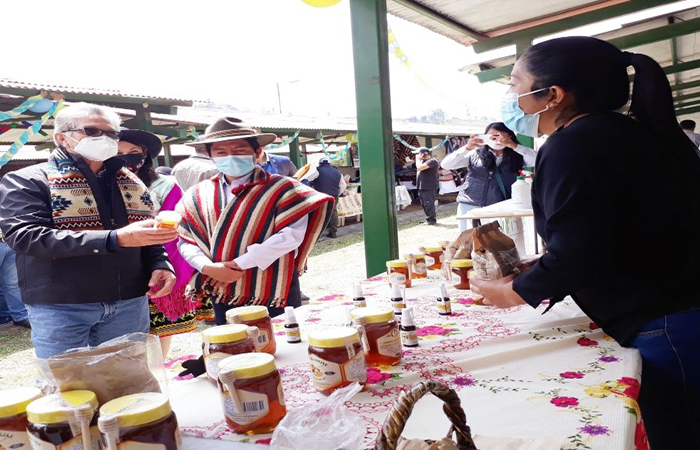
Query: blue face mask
(235,165)
(515,118)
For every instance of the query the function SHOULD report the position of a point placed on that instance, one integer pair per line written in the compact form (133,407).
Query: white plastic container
(520,193)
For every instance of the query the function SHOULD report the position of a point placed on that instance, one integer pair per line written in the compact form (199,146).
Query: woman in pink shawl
(173,313)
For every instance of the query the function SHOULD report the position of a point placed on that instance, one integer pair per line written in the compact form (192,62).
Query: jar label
(445,307)
(11,439)
(327,375)
(359,303)
(254,407)
(429,260)
(398,306)
(409,338)
(390,344)
(211,362)
(397,278)
(420,268)
(263,338)
(280,394)
(74,444)
(456,278)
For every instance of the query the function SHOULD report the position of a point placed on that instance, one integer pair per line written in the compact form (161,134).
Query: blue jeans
(11,306)
(57,328)
(670,390)
(463,208)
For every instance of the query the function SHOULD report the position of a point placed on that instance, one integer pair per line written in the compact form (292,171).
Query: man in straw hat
(247,232)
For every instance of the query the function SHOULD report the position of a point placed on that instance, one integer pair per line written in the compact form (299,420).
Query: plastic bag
(494,254)
(129,364)
(325,425)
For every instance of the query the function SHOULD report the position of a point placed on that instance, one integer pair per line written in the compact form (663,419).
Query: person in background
(492,168)
(164,170)
(595,178)
(12,309)
(276,164)
(688,127)
(427,181)
(196,168)
(330,182)
(83,231)
(173,313)
(247,232)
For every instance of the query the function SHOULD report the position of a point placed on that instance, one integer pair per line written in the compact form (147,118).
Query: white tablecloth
(517,372)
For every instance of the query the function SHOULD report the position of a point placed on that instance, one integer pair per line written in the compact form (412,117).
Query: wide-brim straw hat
(229,129)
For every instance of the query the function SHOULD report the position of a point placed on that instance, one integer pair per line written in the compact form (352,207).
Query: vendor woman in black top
(616,198)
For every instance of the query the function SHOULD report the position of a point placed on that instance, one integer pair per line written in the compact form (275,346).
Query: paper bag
(494,254)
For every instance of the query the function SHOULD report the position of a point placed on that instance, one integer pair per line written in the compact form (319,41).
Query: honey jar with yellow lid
(337,358)
(13,416)
(398,272)
(251,393)
(382,338)
(61,421)
(419,268)
(140,421)
(256,316)
(223,341)
(460,270)
(168,219)
(434,257)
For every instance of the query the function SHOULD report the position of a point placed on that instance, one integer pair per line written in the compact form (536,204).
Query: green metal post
(371,58)
(294,154)
(429,141)
(167,155)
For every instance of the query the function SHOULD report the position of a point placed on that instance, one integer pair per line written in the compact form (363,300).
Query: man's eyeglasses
(96,132)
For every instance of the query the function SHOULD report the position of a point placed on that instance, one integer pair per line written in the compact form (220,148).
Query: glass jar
(168,219)
(256,316)
(141,421)
(419,269)
(478,298)
(444,244)
(383,338)
(460,270)
(337,359)
(434,257)
(223,341)
(53,423)
(13,417)
(251,393)
(398,273)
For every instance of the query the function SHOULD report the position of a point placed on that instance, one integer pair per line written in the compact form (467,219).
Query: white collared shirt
(261,255)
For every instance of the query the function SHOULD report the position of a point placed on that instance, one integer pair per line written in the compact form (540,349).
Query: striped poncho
(261,208)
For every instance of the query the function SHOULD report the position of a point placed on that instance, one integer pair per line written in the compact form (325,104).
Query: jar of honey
(420,269)
(477,297)
(251,393)
(140,421)
(444,244)
(337,359)
(398,273)
(226,340)
(58,421)
(256,316)
(13,417)
(434,257)
(383,338)
(168,219)
(460,269)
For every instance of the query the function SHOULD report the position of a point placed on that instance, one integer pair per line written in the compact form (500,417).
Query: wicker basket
(403,406)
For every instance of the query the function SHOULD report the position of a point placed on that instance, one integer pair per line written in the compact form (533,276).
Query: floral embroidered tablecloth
(518,373)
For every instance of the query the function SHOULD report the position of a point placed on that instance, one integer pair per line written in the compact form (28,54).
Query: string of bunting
(284,143)
(341,155)
(31,131)
(28,103)
(398,138)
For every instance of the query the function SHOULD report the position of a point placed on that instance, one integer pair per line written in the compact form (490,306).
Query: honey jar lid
(373,314)
(419,255)
(137,409)
(248,365)
(169,217)
(247,313)
(397,263)
(461,263)
(333,337)
(433,249)
(15,401)
(59,407)
(225,333)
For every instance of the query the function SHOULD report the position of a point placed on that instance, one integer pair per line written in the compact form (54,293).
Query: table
(350,205)
(517,372)
(506,210)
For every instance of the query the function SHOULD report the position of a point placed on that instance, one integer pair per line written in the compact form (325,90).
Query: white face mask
(99,148)
(490,140)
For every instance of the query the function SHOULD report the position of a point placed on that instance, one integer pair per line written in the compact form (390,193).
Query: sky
(236,53)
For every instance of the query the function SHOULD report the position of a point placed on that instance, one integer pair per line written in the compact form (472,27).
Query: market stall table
(518,373)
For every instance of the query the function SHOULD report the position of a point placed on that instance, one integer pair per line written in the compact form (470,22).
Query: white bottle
(291,326)
(398,300)
(409,335)
(520,193)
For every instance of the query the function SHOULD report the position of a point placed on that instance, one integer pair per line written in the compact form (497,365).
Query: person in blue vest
(329,182)
(276,164)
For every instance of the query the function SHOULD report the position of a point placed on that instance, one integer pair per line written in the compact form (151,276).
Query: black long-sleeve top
(612,208)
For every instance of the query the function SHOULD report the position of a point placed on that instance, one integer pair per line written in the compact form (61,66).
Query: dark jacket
(328,181)
(281,165)
(61,266)
(612,207)
(429,179)
(480,187)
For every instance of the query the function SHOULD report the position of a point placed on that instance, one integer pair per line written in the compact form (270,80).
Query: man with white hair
(83,230)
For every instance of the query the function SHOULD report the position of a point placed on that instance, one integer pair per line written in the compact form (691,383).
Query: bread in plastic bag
(494,254)
(325,425)
(129,364)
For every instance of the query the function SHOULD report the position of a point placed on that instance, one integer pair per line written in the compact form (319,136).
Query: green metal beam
(686,105)
(657,34)
(294,153)
(674,51)
(686,111)
(441,19)
(683,86)
(567,24)
(687,96)
(369,44)
(494,74)
(100,98)
(167,155)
